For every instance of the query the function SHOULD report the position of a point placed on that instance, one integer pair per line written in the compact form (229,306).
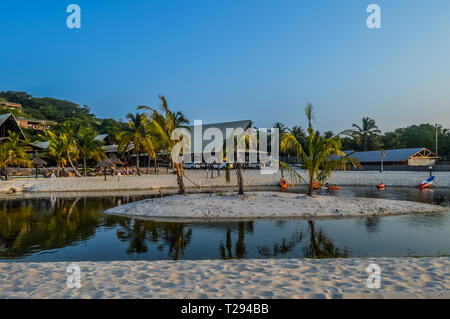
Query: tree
(324,155)
(367,134)
(136,134)
(164,123)
(57,149)
(88,147)
(13,151)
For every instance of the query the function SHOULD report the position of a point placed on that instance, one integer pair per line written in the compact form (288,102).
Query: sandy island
(267,205)
(262,278)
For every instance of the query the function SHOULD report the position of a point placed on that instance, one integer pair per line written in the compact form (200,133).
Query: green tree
(165,122)
(88,147)
(136,134)
(13,151)
(367,134)
(324,155)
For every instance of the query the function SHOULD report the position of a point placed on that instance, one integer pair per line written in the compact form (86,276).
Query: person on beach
(53,176)
(283,184)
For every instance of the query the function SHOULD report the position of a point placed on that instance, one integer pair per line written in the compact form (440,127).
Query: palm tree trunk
(240,179)
(84,166)
(311,185)
(6,173)
(180,179)
(77,173)
(58,167)
(156,167)
(137,165)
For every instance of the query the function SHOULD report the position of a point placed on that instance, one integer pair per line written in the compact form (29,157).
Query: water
(74,228)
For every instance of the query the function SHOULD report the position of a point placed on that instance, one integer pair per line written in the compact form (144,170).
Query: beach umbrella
(105,163)
(37,161)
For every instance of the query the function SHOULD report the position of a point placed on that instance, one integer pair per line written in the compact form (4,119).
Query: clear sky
(221,60)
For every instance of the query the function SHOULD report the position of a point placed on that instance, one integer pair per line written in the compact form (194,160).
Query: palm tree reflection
(240,251)
(319,245)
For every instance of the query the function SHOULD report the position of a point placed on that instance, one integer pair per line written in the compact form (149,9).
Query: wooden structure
(409,157)
(9,123)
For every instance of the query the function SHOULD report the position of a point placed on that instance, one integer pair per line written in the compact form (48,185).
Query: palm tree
(70,130)
(88,147)
(57,149)
(324,155)
(136,135)
(164,123)
(367,133)
(13,151)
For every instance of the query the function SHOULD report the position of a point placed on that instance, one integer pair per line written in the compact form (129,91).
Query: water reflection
(73,228)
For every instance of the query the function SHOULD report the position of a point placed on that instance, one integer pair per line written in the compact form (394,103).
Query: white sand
(267,205)
(251,178)
(266,278)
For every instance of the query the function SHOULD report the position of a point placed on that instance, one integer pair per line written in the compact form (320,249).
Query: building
(103,138)
(9,105)
(234,125)
(9,123)
(409,156)
(38,125)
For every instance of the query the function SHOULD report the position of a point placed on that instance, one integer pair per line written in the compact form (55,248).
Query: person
(53,176)
(283,184)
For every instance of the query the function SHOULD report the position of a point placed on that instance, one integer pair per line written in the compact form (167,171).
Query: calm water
(51,228)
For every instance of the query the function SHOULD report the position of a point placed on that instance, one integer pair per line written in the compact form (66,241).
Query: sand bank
(267,205)
(264,278)
(199,179)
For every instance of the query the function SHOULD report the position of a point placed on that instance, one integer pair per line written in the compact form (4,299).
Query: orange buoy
(381,186)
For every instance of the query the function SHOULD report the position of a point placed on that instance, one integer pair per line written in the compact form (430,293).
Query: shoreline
(252,178)
(404,277)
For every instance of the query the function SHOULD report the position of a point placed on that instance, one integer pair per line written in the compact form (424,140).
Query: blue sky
(220,60)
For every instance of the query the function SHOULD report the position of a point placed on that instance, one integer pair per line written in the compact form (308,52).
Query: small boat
(381,186)
(316,185)
(427,183)
(332,187)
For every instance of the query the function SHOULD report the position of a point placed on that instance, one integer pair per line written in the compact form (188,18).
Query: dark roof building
(409,156)
(9,123)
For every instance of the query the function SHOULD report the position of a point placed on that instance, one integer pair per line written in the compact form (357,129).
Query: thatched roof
(115,160)
(38,161)
(106,162)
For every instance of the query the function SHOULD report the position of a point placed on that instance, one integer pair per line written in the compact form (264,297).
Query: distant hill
(51,109)
(47,108)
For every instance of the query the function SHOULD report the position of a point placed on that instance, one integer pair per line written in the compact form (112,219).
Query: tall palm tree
(324,155)
(88,147)
(164,123)
(136,135)
(13,151)
(57,149)
(70,130)
(367,133)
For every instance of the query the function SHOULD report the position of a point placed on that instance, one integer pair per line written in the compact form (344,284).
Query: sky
(225,60)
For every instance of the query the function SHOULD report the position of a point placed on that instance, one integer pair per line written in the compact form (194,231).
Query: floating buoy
(381,186)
